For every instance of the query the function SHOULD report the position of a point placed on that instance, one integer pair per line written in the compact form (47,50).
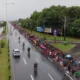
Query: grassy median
(60,46)
(63,47)
(4,63)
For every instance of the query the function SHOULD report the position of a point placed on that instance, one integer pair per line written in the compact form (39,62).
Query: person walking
(72,70)
(76,74)
(76,63)
(69,67)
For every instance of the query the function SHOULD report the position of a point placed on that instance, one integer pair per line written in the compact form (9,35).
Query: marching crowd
(65,60)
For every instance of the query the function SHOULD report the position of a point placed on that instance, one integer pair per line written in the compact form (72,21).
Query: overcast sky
(24,8)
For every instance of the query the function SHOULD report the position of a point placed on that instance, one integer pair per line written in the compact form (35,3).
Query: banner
(47,30)
(55,33)
(40,29)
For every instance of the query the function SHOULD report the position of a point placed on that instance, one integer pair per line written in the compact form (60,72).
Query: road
(22,69)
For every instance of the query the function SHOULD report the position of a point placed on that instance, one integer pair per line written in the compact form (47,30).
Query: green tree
(34,19)
(74,29)
(54,17)
(73,12)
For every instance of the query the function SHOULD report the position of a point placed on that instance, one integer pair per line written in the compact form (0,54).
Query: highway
(23,67)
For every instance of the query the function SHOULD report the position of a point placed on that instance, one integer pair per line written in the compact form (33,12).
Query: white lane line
(50,59)
(50,77)
(69,76)
(37,60)
(31,77)
(24,61)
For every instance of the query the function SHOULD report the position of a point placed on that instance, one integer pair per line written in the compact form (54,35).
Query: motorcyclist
(19,38)
(35,65)
(23,44)
(28,49)
(35,68)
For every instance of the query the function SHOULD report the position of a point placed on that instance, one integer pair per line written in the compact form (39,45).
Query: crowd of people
(65,60)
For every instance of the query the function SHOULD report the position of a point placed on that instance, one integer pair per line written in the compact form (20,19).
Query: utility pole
(31,28)
(44,27)
(65,28)
(7,14)
(6,20)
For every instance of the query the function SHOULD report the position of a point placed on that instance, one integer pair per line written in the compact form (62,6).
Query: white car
(16,53)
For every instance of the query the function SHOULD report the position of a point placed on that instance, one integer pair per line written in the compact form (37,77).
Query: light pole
(7,15)
(65,28)
(30,26)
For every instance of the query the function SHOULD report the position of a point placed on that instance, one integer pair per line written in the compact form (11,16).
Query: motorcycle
(35,71)
(28,54)
(19,41)
(23,47)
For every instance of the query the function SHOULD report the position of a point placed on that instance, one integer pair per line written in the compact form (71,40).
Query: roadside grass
(60,46)
(4,64)
(50,37)
(63,47)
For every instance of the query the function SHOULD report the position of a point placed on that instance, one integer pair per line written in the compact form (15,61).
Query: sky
(24,8)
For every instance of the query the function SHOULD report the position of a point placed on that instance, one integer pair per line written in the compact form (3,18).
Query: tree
(54,17)
(34,18)
(75,28)
(73,12)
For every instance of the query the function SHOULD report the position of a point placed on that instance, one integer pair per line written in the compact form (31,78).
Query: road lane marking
(50,59)
(37,60)
(50,77)
(24,61)
(69,76)
(31,77)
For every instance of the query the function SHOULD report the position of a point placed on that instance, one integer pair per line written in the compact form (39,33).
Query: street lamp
(30,26)
(7,15)
(65,29)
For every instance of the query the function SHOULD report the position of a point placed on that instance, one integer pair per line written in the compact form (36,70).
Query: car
(16,53)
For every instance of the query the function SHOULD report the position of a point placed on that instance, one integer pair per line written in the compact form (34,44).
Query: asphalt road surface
(23,68)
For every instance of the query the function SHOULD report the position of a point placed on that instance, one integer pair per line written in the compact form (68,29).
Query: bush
(4,31)
(2,44)
(65,42)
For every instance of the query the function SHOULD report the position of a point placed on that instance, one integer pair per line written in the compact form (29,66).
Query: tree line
(54,17)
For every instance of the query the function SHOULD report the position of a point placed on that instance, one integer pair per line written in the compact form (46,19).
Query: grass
(4,71)
(50,37)
(63,47)
(60,46)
